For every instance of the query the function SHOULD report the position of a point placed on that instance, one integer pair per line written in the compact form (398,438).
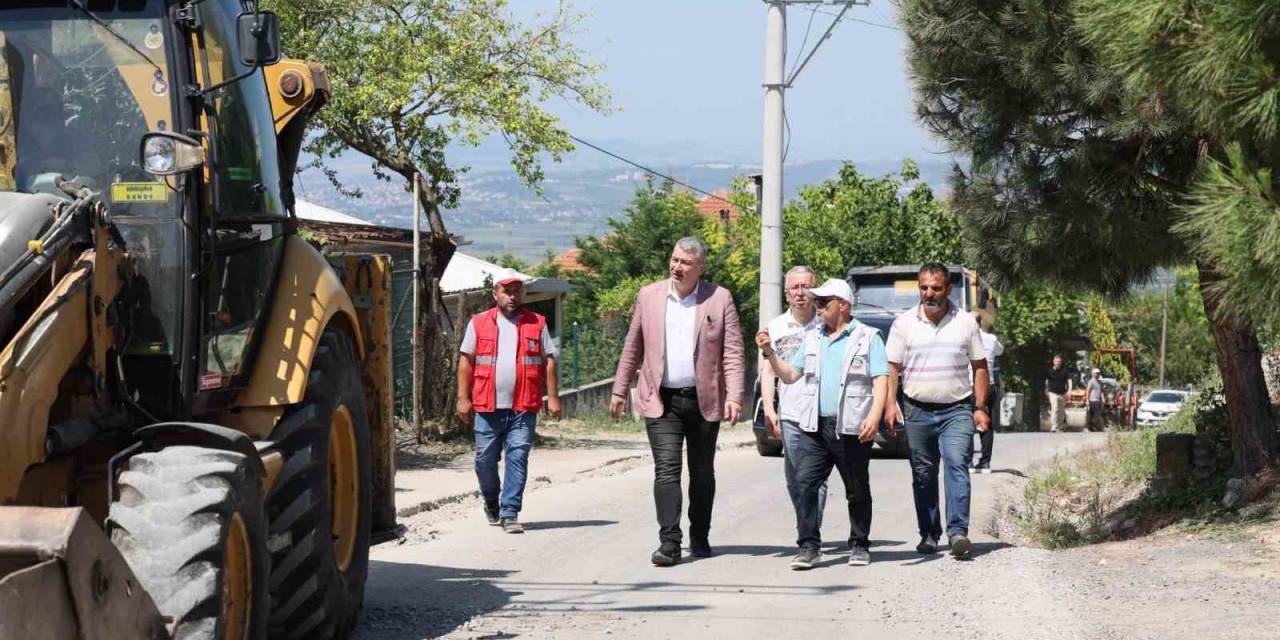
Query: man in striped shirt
(931,349)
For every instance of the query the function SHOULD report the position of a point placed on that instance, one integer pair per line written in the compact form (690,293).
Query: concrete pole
(775,61)
(1164,329)
(416,328)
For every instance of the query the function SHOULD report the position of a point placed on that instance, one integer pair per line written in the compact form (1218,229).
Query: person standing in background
(987,438)
(1057,384)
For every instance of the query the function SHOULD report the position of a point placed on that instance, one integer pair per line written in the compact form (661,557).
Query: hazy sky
(689,72)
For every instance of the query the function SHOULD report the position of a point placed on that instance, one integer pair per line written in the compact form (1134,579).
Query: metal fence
(402,341)
(589,352)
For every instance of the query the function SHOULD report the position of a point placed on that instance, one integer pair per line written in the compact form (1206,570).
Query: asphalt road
(582,570)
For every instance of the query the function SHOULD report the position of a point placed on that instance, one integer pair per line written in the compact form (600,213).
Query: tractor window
(247,171)
(239,290)
(76,97)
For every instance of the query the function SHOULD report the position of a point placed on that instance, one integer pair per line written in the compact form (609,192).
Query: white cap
(834,288)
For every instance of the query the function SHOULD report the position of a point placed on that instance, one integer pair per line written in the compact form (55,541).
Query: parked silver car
(1160,405)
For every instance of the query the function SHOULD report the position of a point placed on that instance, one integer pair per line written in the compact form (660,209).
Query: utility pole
(776,82)
(1164,330)
(416,330)
(775,62)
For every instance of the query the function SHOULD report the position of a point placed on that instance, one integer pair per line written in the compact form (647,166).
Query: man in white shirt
(931,348)
(787,333)
(987,438)
(685,352)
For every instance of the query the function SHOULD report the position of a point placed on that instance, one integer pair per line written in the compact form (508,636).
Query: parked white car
(1160,405)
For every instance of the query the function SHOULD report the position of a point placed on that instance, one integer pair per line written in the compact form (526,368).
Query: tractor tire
(190,523)
(320,507)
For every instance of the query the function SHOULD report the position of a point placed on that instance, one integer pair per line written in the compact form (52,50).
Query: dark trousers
(1096,420)
(681,420)
(987,439)
(815,454)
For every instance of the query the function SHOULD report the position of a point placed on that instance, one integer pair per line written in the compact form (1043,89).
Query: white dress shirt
(681,325)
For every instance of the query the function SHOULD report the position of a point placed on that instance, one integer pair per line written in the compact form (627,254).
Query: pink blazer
(719,356)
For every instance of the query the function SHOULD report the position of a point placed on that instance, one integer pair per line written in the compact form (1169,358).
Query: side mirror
(165,153)
(258,38)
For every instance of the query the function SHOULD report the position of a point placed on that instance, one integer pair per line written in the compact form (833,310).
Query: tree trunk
(1254,440)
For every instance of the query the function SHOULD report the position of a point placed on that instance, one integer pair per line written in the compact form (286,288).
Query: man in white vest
(838,409)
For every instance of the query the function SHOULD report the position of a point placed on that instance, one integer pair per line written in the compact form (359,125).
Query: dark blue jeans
(790,436)
(509,434)
(815,455)
(940,436)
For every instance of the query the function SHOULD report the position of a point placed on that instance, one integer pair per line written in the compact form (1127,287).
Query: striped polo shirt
(935,357)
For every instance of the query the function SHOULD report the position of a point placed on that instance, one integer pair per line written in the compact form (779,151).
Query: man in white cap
(505,363)
(845,385)
(1097,402)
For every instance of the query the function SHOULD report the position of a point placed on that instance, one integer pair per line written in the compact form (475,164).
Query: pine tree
(1102,333)
(1073,175)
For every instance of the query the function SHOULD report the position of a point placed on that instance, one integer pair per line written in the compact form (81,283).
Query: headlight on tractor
(165,153)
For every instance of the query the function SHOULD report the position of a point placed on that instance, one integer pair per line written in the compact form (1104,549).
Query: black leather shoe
(700,549)
(667,555)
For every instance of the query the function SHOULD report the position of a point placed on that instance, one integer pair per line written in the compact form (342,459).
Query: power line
(813,12)
(859,20)
(647,169)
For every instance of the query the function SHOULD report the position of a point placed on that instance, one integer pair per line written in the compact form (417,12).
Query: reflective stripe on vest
(527,394)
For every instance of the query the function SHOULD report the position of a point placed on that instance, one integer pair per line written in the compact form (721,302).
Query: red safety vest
(530,366)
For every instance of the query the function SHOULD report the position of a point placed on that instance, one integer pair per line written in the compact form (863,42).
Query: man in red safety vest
(505,361)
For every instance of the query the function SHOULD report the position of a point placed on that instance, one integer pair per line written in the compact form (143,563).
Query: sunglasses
(822,302)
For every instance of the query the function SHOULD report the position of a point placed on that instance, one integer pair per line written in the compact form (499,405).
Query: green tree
(846,221)
(510,261)
(410,77)
(1073,176)
(1215,62)
(1189,354)
(636,248)
(1102,334)
(1032,318)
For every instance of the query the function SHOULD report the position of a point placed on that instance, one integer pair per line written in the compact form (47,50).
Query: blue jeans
(940,435)
(509,433)
(791,435)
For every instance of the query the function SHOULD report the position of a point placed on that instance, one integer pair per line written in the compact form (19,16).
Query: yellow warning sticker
(139,192)
(903,287)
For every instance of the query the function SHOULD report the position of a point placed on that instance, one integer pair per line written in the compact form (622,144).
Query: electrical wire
(813,12)
(647,169)
(859,20)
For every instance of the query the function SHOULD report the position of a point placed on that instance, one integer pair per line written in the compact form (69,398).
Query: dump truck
(195,404)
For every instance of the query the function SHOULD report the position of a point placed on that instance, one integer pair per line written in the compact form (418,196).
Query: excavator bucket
(61,578)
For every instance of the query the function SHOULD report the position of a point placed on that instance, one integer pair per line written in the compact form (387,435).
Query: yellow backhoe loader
(195,405)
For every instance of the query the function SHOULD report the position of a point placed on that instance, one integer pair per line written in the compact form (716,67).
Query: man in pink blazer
(686,343)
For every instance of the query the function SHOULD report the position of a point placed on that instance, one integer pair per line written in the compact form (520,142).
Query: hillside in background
(497,214)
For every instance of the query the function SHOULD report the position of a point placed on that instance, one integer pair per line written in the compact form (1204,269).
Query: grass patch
(1104,493)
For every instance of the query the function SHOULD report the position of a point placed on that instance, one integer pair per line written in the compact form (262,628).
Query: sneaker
(960,545)
(667,555)
(700,549)
(491,513)
(859,556)
(511,525)
(805,559)
(984,468)
(928,545)
(973,468)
